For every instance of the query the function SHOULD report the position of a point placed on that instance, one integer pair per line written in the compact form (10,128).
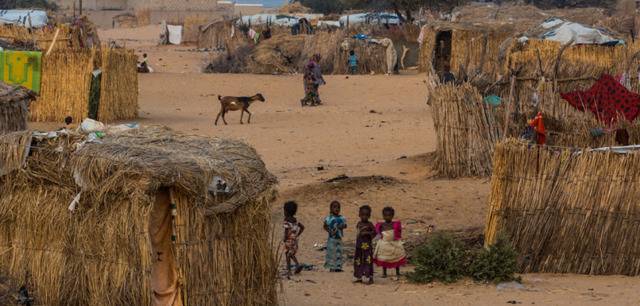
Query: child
(292,230)
(363,259)
(353,62)
(389,252)
(334,224)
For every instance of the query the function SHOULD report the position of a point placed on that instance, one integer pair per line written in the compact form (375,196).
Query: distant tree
(324,6)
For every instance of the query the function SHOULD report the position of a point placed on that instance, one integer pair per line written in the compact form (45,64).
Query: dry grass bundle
(41,38)
(466,130)
(100,254)
(14,108)
(66,78)
(118,85)
(566,211)
(191,30)
(371,57)
(279,54)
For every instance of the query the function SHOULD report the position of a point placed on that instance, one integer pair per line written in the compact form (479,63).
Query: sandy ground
(375,129)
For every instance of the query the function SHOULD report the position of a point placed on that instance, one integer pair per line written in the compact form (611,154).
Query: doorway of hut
(442,50)
(164,270)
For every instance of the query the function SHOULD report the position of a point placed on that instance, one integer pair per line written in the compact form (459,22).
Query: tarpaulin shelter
(25,18)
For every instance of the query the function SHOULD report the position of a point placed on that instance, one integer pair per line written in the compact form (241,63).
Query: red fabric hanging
(606,99)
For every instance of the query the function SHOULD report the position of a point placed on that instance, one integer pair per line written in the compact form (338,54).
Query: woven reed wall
(567,211)
(477,51)
(119,85)
(66,79)
(470,50)
(191,29)
(466,131)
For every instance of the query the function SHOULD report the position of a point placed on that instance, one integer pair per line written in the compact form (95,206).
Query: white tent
(383,18)
(564,31)
(25,18)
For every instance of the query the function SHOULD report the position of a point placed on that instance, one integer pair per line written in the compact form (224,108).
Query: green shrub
(442,258)
(496,264)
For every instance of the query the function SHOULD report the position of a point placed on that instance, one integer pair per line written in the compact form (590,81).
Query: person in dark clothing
(447,76)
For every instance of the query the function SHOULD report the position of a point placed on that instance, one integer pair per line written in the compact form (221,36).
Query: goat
(242,104)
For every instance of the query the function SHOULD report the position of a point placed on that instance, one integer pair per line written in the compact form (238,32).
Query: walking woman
(312,80)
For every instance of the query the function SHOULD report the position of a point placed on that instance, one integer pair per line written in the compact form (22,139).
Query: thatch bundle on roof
(14,108)
(567,211)
(117,243)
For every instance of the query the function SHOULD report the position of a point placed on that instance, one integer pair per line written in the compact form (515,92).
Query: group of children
(388,252)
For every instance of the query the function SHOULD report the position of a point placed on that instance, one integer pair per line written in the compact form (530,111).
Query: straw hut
(216,35)
(14,108)
(567,211)
(468,49)
(143,215)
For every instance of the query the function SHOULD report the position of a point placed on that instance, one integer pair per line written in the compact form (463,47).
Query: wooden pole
(80,7)
(507,113)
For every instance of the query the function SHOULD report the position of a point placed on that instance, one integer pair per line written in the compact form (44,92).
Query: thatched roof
(151,158)
(11,94)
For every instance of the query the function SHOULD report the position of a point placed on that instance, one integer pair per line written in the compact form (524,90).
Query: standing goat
(242,104)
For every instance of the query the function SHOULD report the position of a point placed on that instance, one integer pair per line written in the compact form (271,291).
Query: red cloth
(538,125)
(605,99)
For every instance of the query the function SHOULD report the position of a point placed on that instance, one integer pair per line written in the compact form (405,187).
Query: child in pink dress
(389,252)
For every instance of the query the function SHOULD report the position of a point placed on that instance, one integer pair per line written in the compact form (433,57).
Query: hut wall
(191,29)
(477,51)
(567,212)
(466,131)
(119,85)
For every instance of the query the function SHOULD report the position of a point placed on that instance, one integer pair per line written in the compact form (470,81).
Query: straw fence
(66,82)
(118,85)
(567,211)
(191,31)
(103,252)
(466,131)
(66,78)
